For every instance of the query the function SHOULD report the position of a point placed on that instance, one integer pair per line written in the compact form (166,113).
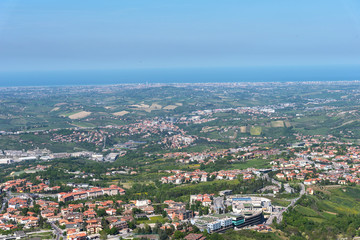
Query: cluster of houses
(182,177)
(80,194)
(322,160)
(23,185)
(177,211)
(243,110)
(178,141)
(14,217)
(205,199)
(145,127)
(83,220)
(95,137)
(78,220)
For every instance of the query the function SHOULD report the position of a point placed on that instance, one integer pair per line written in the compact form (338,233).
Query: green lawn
(255,131)
(43,235)
(279,202)
(253,163)
(83,124)
(153,220)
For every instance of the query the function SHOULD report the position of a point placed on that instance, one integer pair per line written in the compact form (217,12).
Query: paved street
(219,203)
(57,230)
(6,199)
(279,215)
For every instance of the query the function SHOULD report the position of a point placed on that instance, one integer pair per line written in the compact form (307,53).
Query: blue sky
(126,34)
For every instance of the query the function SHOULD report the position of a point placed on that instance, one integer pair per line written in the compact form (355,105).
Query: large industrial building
(244,205)
(223,222)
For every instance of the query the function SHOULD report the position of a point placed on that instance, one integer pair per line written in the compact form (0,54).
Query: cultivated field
(170,107)
(79,115)
(146,107)
(122,113)
(277,123)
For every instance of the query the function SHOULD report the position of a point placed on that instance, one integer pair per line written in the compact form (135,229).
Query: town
(185,168)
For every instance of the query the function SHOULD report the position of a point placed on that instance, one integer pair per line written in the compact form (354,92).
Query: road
(57,230)
(293,202)
(5,200)
(279,215)
(219,204)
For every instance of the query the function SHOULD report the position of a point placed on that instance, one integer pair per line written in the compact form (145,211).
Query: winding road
(279,215)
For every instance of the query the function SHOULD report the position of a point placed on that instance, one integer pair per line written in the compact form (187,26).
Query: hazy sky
(120,34)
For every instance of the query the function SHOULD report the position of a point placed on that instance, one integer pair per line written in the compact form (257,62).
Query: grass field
(154,219)
(83,124)
(331,213)
(253,163)
(338,201)
(42,235)
(278,202)
(277,123)
(255,131)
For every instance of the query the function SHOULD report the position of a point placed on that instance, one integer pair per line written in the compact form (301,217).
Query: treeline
(158,192)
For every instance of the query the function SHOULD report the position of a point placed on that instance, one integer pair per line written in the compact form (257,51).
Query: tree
(147,229)
(179,235)
(119,211)
(228,209)
(103,235)
(282,187)
(136,210)
(101,212)
(104,223)
(163,236)
(24,211)
(132,224)
(113,231)
(215,236)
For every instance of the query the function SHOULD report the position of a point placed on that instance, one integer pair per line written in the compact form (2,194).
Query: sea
(180,75)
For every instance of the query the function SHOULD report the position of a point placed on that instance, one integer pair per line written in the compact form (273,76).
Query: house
(93,228)
(181,215)
(342,182)
(119,225)
(203,178)
(111,211)
(77,236)
(280,175)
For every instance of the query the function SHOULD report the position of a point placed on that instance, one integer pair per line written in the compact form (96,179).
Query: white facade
(225,222)
(213,226)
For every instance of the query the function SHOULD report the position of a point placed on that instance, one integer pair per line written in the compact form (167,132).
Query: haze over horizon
(47,36)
